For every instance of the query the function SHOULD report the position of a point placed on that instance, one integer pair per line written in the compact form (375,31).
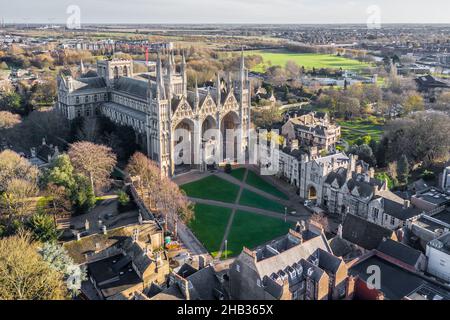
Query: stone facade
(156,106)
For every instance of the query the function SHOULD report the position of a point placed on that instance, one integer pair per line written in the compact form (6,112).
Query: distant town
(224,162)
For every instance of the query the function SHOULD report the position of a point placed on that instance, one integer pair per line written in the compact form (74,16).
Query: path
(230,221)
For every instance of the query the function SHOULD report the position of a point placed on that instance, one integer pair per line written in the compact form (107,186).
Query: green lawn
(256,181)
(251,230)
(238,173)
(308,60)
(251,199)
(209,226)
(212,188)
(354,129)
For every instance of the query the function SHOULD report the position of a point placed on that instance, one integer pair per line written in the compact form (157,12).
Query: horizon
(228,12)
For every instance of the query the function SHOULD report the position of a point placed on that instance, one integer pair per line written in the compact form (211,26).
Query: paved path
(191,242)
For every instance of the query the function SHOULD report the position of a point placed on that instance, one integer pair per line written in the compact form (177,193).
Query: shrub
(228,168)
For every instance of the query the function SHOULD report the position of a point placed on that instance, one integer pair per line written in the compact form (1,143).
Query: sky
(227,11)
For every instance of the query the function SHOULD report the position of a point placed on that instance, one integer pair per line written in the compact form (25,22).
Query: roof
(291,256)
(90,83)
(363,233)
(400,251)
(113,275)
(132,86)
(398,283)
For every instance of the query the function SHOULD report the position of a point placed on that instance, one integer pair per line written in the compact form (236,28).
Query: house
(364,234)
(390,211)
(311,130)
(121,261)
(192,284)
(404,255)
(427,227)
(297,266)
(430,87)
(438,254)
(430,199)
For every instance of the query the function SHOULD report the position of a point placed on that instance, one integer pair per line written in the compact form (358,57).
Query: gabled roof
(400,251)
(363,233)
(132,86)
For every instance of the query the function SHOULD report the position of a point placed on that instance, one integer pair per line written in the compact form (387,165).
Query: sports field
(307,60)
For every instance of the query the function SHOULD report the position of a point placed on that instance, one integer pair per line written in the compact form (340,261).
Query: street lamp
(285,214)
(226,249)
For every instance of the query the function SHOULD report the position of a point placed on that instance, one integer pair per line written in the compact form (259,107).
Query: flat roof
(434,196)
(398,283)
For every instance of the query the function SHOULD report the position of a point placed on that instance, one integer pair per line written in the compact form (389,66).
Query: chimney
(104,230)
(406,204)
(33,152)
(78,235)
(86,225)
(201,262)
(339,231)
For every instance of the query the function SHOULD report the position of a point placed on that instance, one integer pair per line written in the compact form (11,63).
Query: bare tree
(94,161)
(13,166)
(17,200)
(8,120)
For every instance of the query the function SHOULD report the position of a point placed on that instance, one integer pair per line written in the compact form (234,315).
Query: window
(375,213)
(392,221)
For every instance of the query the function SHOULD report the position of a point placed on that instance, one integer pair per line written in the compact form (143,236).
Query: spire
(219,90)
(184,74)
(242,66)
(159,78)
(197,95)
(82,70)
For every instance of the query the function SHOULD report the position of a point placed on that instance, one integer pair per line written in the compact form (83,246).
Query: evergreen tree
(403,169)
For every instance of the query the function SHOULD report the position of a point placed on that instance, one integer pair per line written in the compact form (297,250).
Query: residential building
(438,254)
(298,266)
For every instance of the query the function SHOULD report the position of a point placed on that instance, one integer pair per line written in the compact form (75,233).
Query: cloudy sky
(226,11)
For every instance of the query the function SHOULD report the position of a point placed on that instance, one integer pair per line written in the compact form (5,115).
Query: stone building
(298,266)
(156,106)
(312,130)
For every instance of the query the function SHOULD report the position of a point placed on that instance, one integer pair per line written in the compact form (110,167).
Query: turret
(197,96)
(184,74)
(218,90)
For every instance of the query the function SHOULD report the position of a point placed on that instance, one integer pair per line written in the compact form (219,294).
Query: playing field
(307,60)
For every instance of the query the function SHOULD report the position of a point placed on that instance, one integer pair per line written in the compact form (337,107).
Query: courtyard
(236,210)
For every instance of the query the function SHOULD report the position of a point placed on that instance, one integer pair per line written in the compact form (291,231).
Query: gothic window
(86,99)
(125,72)
(77,99)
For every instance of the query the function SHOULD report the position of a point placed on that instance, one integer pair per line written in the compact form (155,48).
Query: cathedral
(180,129)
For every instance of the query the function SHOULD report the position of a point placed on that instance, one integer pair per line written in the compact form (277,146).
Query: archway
(230,126)
(312,193)
(209,141)
(116,72)
(183,146)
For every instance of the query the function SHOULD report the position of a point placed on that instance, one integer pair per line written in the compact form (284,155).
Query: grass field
(256,181)
(355,129)
(251,230)
(238,173)
(209,226)
(212,188)
(307,60)
(251,199)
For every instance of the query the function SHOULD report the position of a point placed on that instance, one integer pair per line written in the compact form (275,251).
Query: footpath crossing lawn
(251,230)
(256,181)
(251,199)
(212,188)
(209,226)
(238,173)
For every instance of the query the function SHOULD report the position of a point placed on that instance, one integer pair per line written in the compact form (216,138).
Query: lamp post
(226,249)
(285,214)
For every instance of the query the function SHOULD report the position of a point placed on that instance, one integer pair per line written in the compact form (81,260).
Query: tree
(43,227)
(365,153)
(24,275)
(58,259)
(82,194)
(12,102)
(413,102)
(16,199)
(94,161)
(403,169)
(61,172)
(13,166)
(8,120)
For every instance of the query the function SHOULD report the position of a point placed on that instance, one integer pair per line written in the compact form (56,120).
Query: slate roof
(400,251)
(90,83)
(398,210)
(132,86)
(363,233)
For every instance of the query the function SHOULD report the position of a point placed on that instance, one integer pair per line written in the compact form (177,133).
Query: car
(308,203)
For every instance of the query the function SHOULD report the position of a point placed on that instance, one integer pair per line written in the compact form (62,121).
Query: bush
(428,175)
(228,168)
(123,201)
